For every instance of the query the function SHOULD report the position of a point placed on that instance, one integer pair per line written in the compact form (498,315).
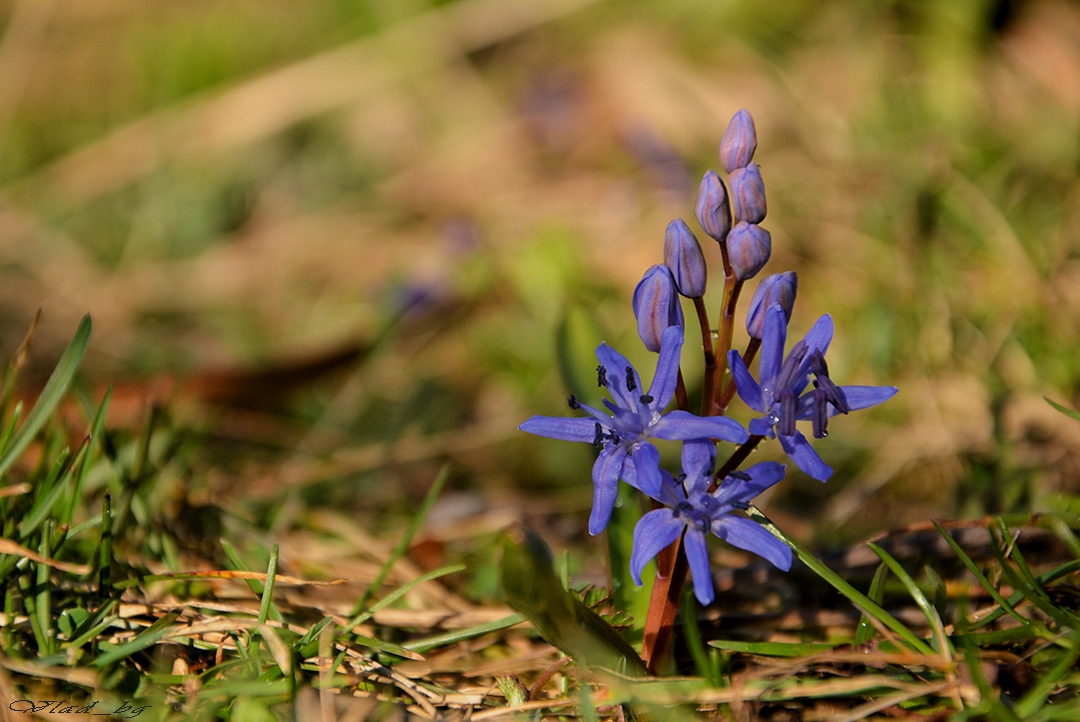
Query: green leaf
(1072,414)
(50,396)
(773,649)
(532,588)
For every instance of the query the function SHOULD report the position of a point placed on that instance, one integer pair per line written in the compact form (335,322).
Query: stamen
(788,407)
(818,365)
(821,413)
(833,393)
(791,365)
(741,476)
(598,440)
(601,376)
(631,384)
(681,507)
(646,399)
(573,402)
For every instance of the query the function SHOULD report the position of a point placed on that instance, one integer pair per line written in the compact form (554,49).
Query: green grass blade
(1036,697)
(43,600)
(400,592)
(860,600)
(50,396)
(457,635)
(705,663)
(924,604)
(406,539)
(1072,414)
(268,590)
(147,638)
(773,649)
(865,631)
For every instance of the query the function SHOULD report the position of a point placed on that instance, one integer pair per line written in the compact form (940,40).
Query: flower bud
(683,257)
(778,288)
(656,305)
(712,209)
(739,142)
(749,247)
(748,194)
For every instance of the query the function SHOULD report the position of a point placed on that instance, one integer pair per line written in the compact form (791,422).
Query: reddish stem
(710,359)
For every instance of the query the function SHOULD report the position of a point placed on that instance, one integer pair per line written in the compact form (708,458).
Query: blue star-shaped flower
(694,511)
(780,395)
(623,437)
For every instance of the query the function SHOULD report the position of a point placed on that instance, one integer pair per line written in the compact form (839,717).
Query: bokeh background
(344,241)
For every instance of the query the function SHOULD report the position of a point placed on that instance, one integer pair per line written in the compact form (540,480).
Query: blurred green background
(469,191)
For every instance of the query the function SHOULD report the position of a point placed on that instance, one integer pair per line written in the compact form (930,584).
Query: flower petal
(819,336)
(654,531)
(762,426)
(605,486)
(698,460)
(804,456)
(773,338)
(683,426)
(863,397)
(751,537)
(615,365)
(667,368)
(557,427)
(739,491)
(647,467)
(697,556)
(748,388)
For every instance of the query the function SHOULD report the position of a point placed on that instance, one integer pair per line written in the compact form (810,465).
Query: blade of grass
(400,592)
(425,643)
(147,638)
(43,505)
(50,396)
(43,600)
(773,649)
(406,539)
(268,591)
(105,558)
(706,666)
(924,604)
(1036,697)
(860,600)
(865,631)
(981,578)
(1021,578)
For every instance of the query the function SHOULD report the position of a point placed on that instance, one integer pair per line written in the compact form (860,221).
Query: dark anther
(833,393)
(631,384)
(681,507)
(821,413)
(791,365)
(646,399)
(573,402)
(601,376)
(598,440)
(818,365)
(741,476)
(788,406)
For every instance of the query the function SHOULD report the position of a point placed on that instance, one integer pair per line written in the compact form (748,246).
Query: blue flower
(623,436)
(694,511)
(780,395)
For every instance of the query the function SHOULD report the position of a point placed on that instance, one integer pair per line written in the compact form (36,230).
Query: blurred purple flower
(694,511)
(780,395)
(623,437)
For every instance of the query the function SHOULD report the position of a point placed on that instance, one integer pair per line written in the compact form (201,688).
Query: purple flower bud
(747,194)
(683,256)
(656,306)
(712,208)
(749,247)
(778,288)
(739,142)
